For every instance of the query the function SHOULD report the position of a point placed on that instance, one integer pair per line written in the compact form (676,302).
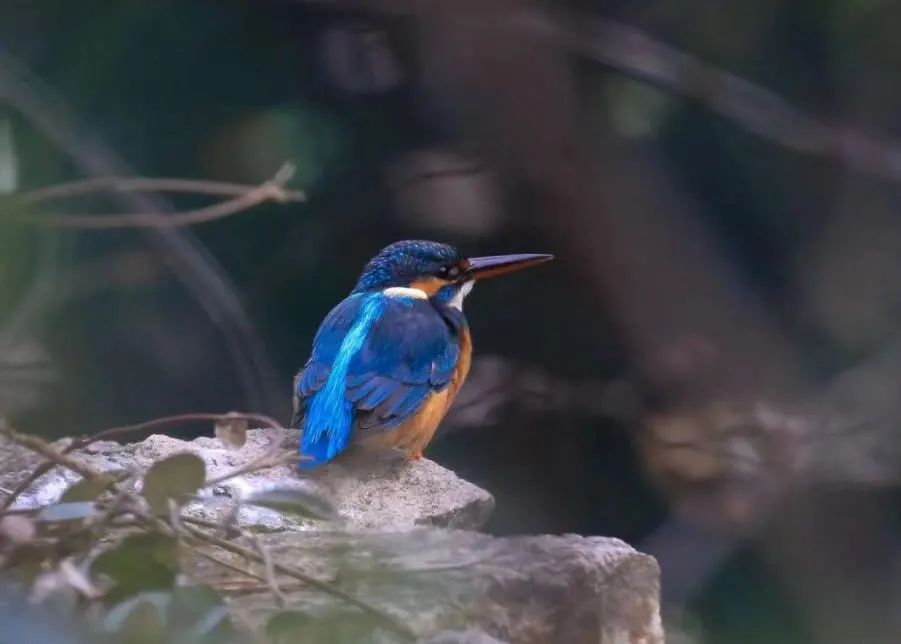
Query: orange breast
(415,434)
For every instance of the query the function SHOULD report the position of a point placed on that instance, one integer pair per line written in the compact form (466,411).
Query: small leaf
(116,615)
(67,511)
(139,563)
(175,478)
(197,614)
(306,502)
(143,623)
(231,430)
(85,490)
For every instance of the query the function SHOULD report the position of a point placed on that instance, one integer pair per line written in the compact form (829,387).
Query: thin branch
(122,430)
(225,587)
(198,270)
(142,184)
(203,523)
(272,190)
(200,552)
(269,570)
(388,620)
(20,489)
(178,419)
(39,445)
(264,462)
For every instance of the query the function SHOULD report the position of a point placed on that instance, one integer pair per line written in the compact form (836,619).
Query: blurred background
(711,370)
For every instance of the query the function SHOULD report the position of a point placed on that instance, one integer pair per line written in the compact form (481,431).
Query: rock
(403,552)
(370,490)
(469,636)
(466,587)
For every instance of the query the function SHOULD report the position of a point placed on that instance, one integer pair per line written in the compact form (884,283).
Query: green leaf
(140,620)
(292,626)
(138,563)
(198,615)
(84,490)
(67,511)
(175,478)
(306,502)
(115,617)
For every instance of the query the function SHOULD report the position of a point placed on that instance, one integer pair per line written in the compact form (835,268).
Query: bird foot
(415,455)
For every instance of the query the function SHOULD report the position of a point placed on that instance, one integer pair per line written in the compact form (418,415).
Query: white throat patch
(403,291)
(457,301)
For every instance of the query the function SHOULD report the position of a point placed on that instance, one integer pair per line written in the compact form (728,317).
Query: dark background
(708,371)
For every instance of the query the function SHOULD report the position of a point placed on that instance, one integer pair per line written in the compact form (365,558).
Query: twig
(128,429)
(386,619)
(272,190)
(203,523)
(43,448)
(256,588)
(5,491)
(200,273)
(269,570)
(37,473)
(142,184)
(225,564)
(121,430)
(264,462)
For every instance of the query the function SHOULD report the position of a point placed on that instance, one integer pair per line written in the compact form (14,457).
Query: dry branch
(246,197)
(115,432)
(200,273)
(263,463)
(269,570)
(387,620)
(42,447)
(142,184)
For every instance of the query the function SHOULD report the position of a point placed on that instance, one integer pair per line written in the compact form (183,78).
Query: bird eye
(449,272)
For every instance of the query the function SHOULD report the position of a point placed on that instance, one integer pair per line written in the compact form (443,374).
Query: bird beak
(482,267)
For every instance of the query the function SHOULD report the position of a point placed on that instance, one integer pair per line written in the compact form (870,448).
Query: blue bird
(388,361)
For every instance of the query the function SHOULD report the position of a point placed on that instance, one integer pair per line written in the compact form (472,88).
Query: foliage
(172,480)
(121,556)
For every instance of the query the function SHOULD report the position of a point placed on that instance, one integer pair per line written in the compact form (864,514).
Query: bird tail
(313,455)
(324,440)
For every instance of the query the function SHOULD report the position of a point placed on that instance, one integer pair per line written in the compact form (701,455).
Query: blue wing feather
(375,360)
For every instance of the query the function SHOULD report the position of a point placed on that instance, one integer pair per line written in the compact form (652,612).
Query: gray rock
(469,636)
(370,490)
(459,586)
(401,553)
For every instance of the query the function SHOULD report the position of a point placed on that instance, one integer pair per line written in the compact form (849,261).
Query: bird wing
(375,360)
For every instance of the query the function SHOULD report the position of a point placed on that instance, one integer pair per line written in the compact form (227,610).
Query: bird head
(435,270)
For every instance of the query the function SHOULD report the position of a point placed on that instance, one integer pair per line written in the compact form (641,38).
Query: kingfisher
(389,359)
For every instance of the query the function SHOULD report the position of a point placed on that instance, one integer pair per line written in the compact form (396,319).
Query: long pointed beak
(494,265)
